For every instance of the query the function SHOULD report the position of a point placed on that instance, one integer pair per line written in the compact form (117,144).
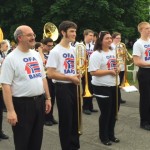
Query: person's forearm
(139,62)
(53,74)
(45,84)
(142,64)
(7,95)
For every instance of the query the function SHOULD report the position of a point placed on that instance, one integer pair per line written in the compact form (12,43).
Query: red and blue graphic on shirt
(32,68)
(89,53)
(111,63)
(147,52)
(68,63)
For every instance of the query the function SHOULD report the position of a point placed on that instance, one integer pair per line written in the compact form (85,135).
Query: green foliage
(111,15)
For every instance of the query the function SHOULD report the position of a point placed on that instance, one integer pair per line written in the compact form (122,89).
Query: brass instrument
(80,67)
(120,51)
(129,57)
(123,56)
(50,31)
(129,62)
(1,35)
(86,91)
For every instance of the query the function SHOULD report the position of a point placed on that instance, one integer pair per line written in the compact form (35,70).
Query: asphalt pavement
(128,130)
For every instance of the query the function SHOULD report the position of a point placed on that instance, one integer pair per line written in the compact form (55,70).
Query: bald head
(20,30)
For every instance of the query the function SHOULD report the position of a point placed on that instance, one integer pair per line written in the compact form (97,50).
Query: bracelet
(49,98)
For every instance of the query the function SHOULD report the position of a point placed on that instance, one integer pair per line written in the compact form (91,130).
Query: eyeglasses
(50,46)
(29,35)
(118,38)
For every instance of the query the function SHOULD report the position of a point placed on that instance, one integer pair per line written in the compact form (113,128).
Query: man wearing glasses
(48,44)
(24,85)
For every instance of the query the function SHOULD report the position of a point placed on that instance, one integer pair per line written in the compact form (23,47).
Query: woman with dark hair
(102,66)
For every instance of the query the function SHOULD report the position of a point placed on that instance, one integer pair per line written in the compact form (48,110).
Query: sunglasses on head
(103,33)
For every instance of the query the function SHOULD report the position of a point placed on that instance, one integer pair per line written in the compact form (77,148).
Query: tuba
(80,68)
(50,31)
(1,35)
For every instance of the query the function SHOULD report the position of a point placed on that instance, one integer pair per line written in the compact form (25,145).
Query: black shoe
(3,136)
(108,143)
(48,123)
(116,140)
(145,127)
(87,112)
(54,121)
(122,101)
(94,110)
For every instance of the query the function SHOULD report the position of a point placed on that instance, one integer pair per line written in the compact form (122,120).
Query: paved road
(127,130)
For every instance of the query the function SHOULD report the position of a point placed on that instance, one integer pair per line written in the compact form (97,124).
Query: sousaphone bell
(50,31)
(1,35)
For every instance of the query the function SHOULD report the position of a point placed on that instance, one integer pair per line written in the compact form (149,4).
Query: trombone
(120,51)
(80,68)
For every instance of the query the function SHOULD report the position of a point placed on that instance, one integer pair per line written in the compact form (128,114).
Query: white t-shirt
(103,61)
(89,49)
(24,72)
(1,60)
(63,60)
(113,46)
(141,48)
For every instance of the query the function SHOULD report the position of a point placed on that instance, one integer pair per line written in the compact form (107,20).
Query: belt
(28,98)
(63,83)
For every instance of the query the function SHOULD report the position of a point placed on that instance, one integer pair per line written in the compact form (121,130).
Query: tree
(111,15)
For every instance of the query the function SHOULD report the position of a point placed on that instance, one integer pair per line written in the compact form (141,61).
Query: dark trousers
(28,132)
(87,101)
(107,106)
(1,119)
(121,76)
(66,97)
(51,85)
(144,89)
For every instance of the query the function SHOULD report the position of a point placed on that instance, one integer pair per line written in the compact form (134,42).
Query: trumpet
(80,68)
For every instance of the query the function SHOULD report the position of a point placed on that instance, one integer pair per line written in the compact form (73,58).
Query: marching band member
(95,38)
(24,85)
(141,58)
(39,48)
(87,101)
(61,66)
(48,44)
(3,45)
(102,66)
(116,38)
